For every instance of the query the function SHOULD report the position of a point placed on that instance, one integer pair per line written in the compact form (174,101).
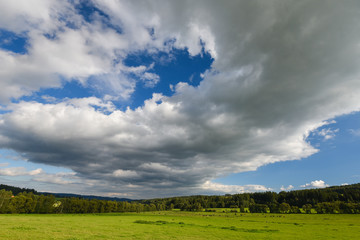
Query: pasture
(180,225)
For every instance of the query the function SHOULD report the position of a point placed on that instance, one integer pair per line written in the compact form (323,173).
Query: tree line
(28,202)
(337,199)
(341,199)
(17,190)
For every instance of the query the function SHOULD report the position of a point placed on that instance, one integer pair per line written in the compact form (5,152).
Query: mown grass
(180,225)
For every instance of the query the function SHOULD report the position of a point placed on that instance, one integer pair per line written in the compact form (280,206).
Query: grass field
(180,225)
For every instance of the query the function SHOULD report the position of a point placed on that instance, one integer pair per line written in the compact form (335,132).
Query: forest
(336,199)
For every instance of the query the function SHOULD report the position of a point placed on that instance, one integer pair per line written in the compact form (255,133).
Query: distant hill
(17,190)
(349,186)
(70,195)
(348,193)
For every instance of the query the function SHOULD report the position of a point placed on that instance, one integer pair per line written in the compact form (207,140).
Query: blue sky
(153,99)
(336,162)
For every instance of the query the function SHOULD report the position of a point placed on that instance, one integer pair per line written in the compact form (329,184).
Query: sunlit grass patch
(180,225)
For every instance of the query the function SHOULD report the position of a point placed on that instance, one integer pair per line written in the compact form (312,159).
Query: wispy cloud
(19,171)
(39,175)
(286,188)
(355,132)
(57,178)
(327,133)
(122,195)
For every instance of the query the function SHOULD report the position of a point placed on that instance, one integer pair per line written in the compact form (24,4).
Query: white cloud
(286,188)
(20,16)
(89,53)
(125,173)
(35,172)
(119,195)
(150,79)
(74,54)
(19,171)
(57,178)
(218,187)
(315,184)
(101,105)
(327,133)
(344,184)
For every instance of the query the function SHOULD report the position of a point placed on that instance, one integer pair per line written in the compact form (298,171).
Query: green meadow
(180,225)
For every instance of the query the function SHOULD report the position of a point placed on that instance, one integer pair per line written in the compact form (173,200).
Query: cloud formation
(355,132)
(280,71)
(62,45)
(315,184)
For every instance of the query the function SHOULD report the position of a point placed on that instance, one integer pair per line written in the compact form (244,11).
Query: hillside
(17,190)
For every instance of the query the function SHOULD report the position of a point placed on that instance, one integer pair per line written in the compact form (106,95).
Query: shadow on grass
(23,228)
(251,230)
(232,228)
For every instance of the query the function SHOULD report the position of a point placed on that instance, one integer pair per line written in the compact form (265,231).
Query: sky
(158,98)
